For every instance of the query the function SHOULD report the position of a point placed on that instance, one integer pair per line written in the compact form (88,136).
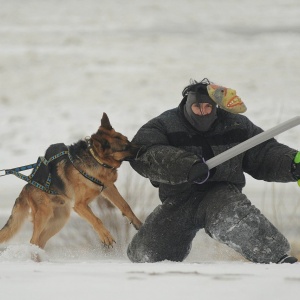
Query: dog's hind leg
(55,224)
(112,194)
(40,218)
(84,211)
(19,213)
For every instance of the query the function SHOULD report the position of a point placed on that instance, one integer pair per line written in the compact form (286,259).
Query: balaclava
(201,123)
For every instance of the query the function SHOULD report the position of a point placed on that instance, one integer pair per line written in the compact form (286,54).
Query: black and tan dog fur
(50,213)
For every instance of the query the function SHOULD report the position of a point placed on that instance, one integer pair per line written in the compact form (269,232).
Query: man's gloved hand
(296,166)
(199,173)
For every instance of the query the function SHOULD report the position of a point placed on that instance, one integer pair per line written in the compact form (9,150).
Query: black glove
(296,166)
(199,173)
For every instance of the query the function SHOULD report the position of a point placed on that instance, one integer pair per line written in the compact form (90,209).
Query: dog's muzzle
(136,151)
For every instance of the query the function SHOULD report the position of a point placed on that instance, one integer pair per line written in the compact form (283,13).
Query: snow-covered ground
(123,280)
(64,63)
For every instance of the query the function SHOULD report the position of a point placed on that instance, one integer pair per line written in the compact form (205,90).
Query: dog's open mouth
(135,151)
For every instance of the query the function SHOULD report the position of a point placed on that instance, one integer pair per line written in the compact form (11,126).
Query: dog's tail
(19,213)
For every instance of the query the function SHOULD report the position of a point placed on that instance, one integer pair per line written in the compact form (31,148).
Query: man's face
(202,109)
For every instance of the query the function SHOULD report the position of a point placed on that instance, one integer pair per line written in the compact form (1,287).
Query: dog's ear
(105,122)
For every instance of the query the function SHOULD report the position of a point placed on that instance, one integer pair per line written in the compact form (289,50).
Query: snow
(64,63)
(123,280)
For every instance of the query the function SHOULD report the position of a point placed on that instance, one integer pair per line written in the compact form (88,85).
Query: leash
(9,171)
(42,160)
(30,179)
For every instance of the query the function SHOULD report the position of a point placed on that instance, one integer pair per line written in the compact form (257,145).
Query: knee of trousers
(166,234)
(242,227)
(138,253)
(144,249)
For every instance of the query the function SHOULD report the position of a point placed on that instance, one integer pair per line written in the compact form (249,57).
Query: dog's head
(110,146)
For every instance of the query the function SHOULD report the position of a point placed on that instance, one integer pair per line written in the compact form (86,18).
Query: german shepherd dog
(99,157)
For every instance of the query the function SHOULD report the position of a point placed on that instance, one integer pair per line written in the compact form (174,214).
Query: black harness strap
(91,178)
(36,166)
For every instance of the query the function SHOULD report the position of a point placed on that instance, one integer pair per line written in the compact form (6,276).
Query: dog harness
(42,161)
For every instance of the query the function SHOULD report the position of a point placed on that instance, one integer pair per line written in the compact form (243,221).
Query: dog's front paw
(107,239)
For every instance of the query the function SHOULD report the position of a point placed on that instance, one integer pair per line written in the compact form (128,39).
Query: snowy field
(64,63)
